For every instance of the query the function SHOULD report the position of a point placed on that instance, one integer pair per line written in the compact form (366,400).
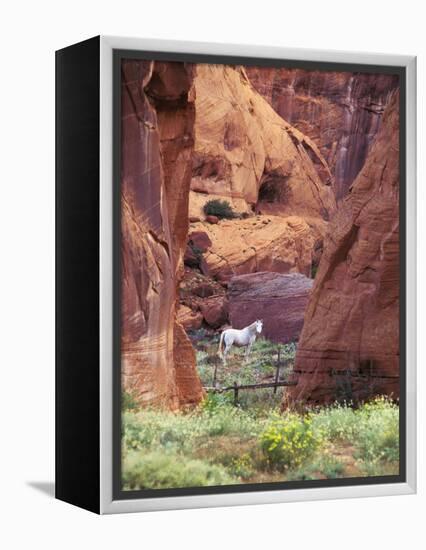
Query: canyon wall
(349,346)
(340,111)
(158,361)
(274,177)
(246,153)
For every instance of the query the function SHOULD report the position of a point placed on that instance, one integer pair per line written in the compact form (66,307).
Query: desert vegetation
(219,208)
(218,443)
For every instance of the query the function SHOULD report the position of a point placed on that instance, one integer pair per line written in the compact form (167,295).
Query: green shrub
(241,466)
(213,401)
(288,441)
(331,467)
(229,420)
(324,466)
(221,209)
(159,470)
(128,401)
(337,423)
(136,435)
(372,429)
(377,436)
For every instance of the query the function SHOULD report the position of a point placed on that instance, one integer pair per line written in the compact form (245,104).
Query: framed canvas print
(235,274)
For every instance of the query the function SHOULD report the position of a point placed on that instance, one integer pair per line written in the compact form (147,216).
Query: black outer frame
(77,417)
(118,56)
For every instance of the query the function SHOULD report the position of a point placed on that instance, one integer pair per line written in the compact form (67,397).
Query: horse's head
(259,326)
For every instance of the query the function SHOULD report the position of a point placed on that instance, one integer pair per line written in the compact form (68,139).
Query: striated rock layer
(349,347)
(279,300)
(158,361)
(340,111)
(246,153)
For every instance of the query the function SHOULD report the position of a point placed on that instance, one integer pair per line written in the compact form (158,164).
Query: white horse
(239,337)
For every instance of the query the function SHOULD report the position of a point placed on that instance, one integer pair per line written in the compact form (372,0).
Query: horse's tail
(219,351)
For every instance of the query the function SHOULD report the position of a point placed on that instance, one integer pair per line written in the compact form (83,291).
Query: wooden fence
(237,387)
(277,383)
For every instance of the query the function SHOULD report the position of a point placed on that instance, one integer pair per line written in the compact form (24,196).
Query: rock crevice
(340,112)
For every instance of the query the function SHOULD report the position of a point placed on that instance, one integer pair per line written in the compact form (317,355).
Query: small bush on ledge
(218,208)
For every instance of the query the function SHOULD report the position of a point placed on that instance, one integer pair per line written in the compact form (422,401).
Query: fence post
(215,373)
(235,394)
(277,372)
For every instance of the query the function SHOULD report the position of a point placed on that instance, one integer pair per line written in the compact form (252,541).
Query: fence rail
(237,387)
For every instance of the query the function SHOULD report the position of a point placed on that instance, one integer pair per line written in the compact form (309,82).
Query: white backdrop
(30,32)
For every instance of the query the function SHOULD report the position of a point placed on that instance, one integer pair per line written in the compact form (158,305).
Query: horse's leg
(225,353)
(251,342)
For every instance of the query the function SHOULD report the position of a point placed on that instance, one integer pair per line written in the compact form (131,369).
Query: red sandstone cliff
(158,361)
(340,111)
(246,153)
(349,346)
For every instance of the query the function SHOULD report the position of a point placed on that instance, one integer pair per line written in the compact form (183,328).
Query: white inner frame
(107,504)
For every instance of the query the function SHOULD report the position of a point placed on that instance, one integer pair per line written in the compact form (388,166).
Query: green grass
(377,432)
(218,444)
(323,467)
(338,423)
(372,431)
(259,368)
(182,432)
(164,470)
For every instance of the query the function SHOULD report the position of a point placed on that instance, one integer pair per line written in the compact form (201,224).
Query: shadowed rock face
(341,112)
(279,300)
(349,346)
(158,361)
